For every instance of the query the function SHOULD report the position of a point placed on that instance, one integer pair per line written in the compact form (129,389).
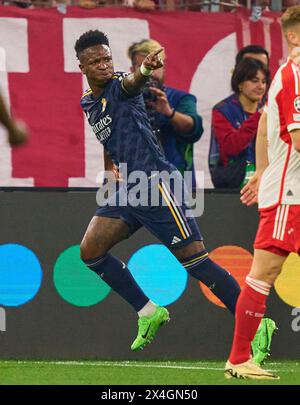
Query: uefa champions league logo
(297,104)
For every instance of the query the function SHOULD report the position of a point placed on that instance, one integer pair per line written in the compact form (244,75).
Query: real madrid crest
(104,102)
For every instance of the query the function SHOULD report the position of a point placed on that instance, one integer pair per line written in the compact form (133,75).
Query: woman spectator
(234,125)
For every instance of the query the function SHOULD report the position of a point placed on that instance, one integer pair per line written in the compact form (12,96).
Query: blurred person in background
(172,112)
(234,125)
(253,52)
(42,3)
(92,3)
(258,6)
(17,133)
(60,4)
(146,5)
(18,3)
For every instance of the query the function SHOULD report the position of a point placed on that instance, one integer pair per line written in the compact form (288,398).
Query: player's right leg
(250,310)
(102,234)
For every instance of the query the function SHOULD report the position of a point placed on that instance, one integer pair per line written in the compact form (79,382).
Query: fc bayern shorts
(279,230)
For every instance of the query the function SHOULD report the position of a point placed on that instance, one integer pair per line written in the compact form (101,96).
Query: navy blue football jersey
(121,124)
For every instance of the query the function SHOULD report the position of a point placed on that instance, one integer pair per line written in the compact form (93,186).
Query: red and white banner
(265,32)
(41,81)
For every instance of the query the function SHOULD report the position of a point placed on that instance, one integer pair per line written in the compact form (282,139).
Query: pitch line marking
(116,364)
(133,364)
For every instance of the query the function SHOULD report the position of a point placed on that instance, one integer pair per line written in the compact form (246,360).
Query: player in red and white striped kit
(276,186)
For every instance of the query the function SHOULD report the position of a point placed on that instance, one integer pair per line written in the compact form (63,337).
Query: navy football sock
(218,280)
(117,275)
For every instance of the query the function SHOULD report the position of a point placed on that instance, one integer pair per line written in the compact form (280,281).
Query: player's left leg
(250,310)
(251,304)
(195,258)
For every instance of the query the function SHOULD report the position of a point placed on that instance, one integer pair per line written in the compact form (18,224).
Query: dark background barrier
(50,328)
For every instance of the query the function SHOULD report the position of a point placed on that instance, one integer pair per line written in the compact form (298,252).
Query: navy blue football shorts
(167,221)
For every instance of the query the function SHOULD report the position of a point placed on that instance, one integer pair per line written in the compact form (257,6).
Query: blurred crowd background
(191,5)
(203,111)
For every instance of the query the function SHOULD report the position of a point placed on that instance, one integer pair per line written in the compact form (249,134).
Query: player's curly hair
(88,39)
(290,18)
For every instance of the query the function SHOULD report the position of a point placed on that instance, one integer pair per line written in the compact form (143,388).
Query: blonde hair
(145,46)
(290,18)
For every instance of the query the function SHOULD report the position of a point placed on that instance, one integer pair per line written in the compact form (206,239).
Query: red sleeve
(233,141)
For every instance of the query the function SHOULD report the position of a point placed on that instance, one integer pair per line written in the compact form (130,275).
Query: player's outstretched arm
(134,83)
(17,133)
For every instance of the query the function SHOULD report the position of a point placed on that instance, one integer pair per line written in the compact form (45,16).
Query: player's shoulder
(86,93)
(289,72)
(119,75)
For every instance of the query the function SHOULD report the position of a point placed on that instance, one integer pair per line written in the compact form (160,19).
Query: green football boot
(148,326)
(261,344)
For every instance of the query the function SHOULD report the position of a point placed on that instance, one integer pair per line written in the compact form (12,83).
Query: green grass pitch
(134,373)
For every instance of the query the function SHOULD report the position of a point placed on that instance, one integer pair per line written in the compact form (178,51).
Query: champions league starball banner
(41,81)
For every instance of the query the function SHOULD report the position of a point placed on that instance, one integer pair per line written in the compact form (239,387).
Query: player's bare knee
(267,274)
(272,273)
(89,249)
(84,250)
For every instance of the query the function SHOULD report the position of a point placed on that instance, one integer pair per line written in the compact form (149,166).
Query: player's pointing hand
(153,61)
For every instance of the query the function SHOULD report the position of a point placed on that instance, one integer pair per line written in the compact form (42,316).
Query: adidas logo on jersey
(290,193)
(175,240)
